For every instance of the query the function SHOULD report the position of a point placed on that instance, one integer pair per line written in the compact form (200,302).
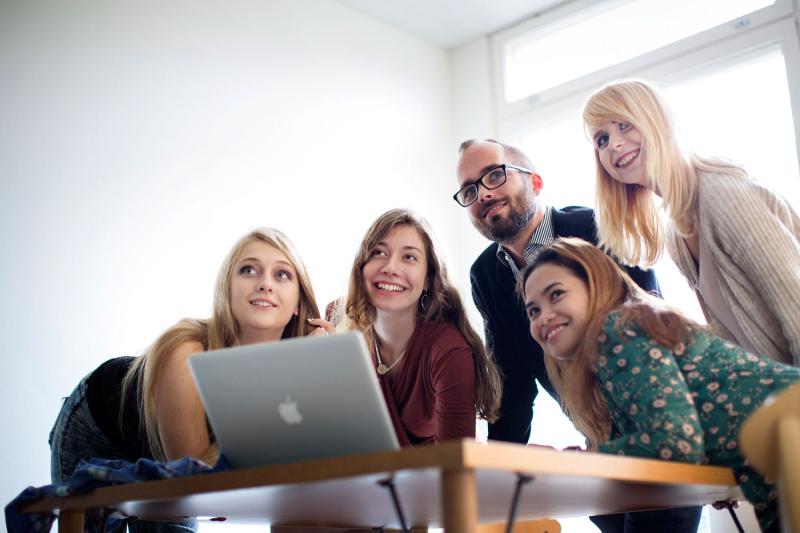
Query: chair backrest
(769,439)
(523,526)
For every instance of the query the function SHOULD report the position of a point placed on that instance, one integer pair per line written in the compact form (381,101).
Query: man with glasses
(501,192)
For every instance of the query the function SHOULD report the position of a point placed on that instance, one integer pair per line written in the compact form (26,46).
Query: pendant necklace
(382,369)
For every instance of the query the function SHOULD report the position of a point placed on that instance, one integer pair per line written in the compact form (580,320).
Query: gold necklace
(382,369)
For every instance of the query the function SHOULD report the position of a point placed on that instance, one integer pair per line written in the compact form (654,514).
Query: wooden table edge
(452,454)
(443,455)
(512,457)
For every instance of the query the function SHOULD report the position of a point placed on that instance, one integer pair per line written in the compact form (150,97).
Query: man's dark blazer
(507,328)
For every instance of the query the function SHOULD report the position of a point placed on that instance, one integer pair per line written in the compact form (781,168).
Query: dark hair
(551,256)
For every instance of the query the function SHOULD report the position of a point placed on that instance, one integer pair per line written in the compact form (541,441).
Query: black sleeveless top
(104,391)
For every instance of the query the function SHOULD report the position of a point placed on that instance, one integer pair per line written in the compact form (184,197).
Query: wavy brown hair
(628,220)
(610,288)
(219,331)
(444,304)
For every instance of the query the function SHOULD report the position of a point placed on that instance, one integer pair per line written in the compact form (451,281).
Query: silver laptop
(294,400)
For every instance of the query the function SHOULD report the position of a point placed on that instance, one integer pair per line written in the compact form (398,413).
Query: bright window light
(571,48)
(742,113)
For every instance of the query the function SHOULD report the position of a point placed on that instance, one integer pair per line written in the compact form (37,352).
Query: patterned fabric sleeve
(647,396)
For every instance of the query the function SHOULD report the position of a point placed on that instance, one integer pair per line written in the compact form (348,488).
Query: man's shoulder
(490,277)
(569,221)
(487,259)
(573,213)
(575,221)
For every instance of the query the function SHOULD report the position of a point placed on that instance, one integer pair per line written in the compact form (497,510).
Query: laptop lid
(294,400)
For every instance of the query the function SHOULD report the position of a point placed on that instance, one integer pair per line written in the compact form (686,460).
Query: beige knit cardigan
(754,237)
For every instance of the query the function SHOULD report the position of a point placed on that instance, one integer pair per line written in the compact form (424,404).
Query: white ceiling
(450,23)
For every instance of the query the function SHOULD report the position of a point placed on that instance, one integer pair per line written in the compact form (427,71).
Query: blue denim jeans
(677,520)
(75,436)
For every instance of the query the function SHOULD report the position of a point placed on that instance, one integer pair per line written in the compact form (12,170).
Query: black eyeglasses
(491,179)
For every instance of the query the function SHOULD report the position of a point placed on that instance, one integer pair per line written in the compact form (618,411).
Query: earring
(423,301)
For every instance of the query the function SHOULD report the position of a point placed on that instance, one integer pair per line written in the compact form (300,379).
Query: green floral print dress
(689,403)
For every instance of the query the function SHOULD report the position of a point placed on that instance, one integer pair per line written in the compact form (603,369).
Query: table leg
(70,522)
(459,500)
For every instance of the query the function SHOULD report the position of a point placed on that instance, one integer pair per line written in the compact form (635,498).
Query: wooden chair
(770,438)
(527,526)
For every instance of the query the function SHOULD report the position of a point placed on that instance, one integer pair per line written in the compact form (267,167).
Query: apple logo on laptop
(289,412)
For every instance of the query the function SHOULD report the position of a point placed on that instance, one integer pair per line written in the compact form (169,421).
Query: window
(608,34)
(731,92)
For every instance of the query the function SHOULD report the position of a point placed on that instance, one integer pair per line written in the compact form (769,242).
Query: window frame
(725,44)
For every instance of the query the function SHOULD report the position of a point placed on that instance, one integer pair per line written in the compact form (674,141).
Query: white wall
(138,141)
(473,118)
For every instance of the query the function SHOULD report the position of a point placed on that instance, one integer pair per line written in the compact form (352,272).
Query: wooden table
(454,485)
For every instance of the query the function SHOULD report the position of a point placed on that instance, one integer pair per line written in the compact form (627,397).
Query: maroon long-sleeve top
(431,391)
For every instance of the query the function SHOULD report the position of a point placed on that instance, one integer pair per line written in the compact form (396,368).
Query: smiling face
(619,150)
(265,292)
(499,214)
(395,273)
(557,303)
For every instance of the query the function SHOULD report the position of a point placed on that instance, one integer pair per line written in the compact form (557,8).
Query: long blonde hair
(628,221)
(219,331)
(610,288)
(443,304)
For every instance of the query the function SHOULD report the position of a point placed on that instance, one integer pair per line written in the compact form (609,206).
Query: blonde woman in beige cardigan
(736,242)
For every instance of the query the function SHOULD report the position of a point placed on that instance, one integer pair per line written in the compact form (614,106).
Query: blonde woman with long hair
(736,242)
(148,406)
(620,358)
(433,370)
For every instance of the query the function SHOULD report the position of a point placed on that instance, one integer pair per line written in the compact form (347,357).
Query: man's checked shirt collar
(542,236)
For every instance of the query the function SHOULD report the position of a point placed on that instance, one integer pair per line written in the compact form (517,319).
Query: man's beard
(521,211)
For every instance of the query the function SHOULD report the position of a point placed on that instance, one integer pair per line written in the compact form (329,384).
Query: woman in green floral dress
(639,378)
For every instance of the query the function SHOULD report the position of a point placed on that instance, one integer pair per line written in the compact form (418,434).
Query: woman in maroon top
(433,369)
